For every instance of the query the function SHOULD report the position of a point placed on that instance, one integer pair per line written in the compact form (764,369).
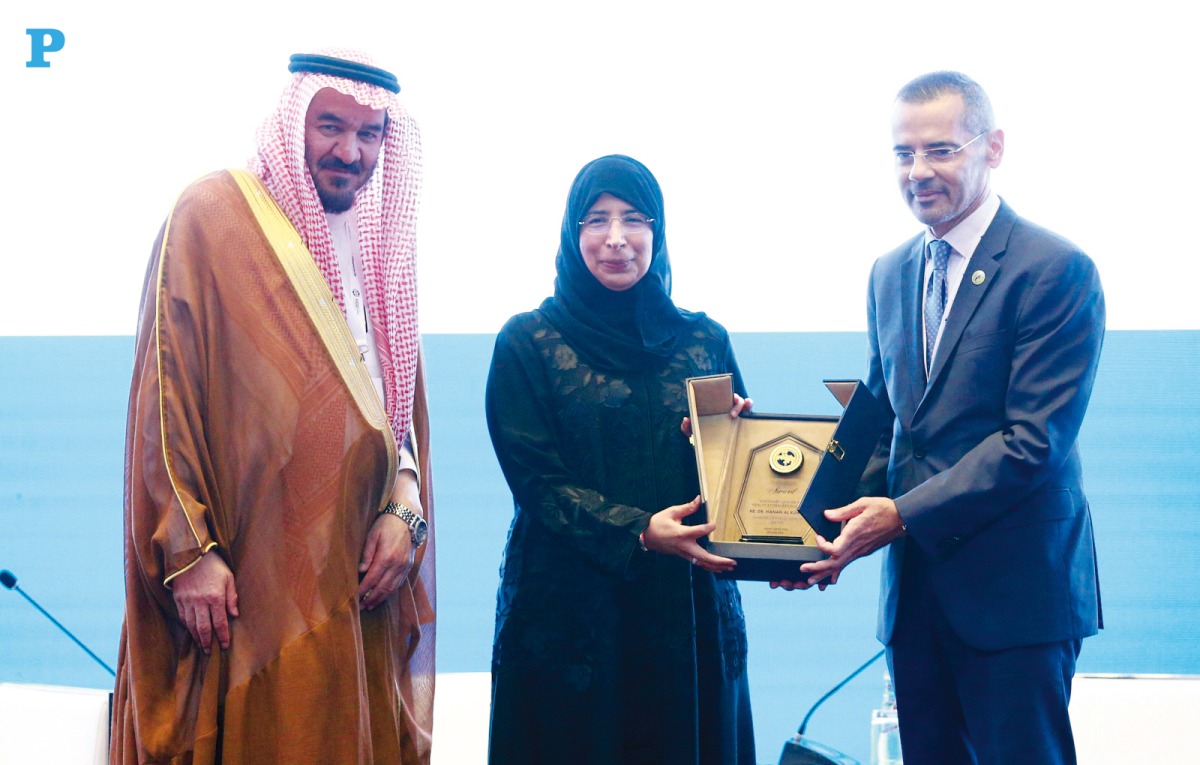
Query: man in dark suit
(985,333)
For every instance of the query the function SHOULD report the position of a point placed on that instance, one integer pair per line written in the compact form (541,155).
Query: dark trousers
(961,705)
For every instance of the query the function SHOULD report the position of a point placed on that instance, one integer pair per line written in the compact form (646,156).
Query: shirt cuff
(408,458)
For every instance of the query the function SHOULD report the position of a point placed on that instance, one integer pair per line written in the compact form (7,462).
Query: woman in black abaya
(614,642)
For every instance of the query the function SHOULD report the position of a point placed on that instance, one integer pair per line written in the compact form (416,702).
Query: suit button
(919,455)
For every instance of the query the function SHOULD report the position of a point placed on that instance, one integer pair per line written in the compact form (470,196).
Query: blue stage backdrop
(62,421)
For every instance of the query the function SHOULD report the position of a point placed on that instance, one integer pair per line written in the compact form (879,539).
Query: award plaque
(766,479)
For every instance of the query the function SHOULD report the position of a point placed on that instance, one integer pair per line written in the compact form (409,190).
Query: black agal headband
(340,67)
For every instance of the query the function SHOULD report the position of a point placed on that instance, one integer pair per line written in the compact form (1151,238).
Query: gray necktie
(935,297)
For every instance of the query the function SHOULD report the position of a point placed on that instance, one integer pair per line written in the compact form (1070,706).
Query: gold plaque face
(770,486)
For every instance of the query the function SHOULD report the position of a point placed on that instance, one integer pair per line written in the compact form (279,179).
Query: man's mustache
(333,163)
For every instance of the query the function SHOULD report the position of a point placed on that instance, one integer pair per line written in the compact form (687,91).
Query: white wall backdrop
(766,122)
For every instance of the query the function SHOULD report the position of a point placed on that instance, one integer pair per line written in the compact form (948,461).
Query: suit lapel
(910,308)
(977,279)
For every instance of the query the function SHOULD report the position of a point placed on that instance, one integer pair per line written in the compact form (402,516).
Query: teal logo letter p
(41,42)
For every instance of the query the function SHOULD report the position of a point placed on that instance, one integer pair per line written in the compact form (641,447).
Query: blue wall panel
(62,412)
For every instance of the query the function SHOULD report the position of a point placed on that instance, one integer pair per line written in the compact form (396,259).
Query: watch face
(420,530)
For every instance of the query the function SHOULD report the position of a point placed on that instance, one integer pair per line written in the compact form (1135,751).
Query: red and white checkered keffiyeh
(386,209)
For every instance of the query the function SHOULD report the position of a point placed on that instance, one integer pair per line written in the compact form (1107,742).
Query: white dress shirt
(344,230)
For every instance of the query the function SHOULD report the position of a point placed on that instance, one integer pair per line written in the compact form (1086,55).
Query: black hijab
(634,329)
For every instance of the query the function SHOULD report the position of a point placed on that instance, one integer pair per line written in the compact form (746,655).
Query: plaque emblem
(786,458)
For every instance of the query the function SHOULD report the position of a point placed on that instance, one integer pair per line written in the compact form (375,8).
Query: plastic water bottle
(885,729)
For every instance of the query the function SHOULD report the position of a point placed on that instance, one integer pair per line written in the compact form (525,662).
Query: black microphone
(9,580)
(801,751)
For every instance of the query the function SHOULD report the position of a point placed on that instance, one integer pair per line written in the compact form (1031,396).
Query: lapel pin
(978,277)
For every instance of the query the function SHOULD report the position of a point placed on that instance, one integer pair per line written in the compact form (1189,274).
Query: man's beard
(338,200)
